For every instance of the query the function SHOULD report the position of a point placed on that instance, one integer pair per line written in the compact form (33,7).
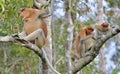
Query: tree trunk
(69,36)
(40,66)
(48,49)
(5,57)
(52,31)
(102,55)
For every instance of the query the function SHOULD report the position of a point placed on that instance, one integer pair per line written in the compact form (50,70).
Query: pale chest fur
(30,27)
(89,43)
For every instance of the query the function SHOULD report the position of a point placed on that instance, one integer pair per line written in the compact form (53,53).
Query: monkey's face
(89,30)
(105,25)
(31,13)
(26,13)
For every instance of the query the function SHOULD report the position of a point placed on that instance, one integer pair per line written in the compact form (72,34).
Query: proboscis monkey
(82,46)
(35,29)
(34,26)
(102,29)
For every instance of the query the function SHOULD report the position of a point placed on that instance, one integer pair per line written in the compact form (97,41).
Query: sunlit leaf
(2,2)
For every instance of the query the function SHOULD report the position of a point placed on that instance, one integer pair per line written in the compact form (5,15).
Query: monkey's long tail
(48,62)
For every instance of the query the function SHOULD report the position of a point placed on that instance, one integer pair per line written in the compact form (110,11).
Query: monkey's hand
(15,36)
(21,41)
(18,39)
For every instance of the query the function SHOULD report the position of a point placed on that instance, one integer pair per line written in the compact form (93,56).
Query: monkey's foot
(21,41)
(15,35)
(18,39)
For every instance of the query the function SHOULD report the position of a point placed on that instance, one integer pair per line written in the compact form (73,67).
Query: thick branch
(82,62)
(6,38)
(28,45)
(42,54)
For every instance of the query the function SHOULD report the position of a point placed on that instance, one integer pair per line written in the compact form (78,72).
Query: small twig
(58,61)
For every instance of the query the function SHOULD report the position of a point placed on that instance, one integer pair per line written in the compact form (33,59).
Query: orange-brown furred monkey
(35,29)
(104,27)
(102,30)
(82,47)
(34,26)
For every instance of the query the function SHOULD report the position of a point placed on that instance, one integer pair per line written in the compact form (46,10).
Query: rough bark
(102,55)
(5,57)
(52,31)
(69,36)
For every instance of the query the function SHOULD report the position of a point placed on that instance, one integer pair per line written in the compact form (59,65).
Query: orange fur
(79,49)
(104,27)
(33,22)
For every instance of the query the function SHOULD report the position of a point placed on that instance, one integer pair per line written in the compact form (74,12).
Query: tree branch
(40,52)
(94,51)
(6,38)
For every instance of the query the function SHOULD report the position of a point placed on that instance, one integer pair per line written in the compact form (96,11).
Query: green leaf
(2,3)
